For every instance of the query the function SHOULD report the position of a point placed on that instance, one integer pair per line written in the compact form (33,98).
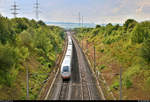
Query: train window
(65,69)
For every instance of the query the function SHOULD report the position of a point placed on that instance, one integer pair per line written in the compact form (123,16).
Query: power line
(14,9)
(37,9)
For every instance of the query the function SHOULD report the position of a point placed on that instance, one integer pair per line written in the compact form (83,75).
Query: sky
(93,11)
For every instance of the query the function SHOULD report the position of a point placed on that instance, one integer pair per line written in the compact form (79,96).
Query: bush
(127,76)
(115,85)
(145,51)
(26,39)
(102,50)
(102,67)
(148,82)
(127,83)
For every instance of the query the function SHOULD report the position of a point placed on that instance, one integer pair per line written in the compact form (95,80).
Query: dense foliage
(127,46)
(20,41)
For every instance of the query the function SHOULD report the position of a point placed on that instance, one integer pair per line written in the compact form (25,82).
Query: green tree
(9,58)
(108,29)
(141,32)
(20,24)
(129,25)
(40,22)
(98,26)
(6,32)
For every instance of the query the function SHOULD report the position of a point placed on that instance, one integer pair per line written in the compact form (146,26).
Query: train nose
(65,75)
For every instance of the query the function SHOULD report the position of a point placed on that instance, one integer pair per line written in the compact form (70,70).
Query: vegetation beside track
(25,44)
(126,46)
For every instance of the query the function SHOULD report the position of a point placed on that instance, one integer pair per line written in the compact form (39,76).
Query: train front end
(66,74)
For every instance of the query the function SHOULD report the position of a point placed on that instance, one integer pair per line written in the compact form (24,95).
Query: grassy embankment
(126,46)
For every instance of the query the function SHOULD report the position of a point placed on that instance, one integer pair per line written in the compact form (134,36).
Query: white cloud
(141,5)
(122,3)
(99,11)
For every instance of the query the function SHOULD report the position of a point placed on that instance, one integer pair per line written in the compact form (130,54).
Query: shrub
(127,83)
(148,82)
(102,67)
(115,85)
(145,51)
(102,50)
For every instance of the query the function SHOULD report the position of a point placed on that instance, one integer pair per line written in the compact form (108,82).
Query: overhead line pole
(79,27)
(79,19)
(82,27)
(82,21)
(120,83)
(94,60)
(27,82)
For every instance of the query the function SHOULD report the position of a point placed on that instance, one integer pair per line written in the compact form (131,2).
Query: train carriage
(66,65)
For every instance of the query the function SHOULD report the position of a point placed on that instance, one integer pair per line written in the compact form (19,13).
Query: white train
(66,64)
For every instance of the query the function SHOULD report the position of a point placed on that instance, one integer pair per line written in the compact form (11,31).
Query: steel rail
(46,97)
(82,72)
(97,82)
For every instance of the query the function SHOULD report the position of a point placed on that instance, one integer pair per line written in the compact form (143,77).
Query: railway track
(86,92)
(64,90)
(47,88)
(82,85)
(86,95)
(88,83)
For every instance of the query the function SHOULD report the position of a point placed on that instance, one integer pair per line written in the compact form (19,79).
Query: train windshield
(65,69)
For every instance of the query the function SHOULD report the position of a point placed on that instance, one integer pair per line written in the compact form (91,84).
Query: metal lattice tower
(37,9)
(14,9)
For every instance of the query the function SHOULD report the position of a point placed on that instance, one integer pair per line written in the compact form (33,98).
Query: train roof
(69,37)
(69,42)
(66,61)
(69,52)
(69,47)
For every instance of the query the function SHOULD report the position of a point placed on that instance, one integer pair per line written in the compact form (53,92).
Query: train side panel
(66,65)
